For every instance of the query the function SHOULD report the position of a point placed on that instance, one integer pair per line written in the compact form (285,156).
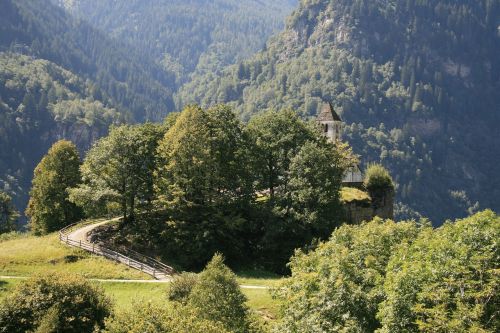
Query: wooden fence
(135,260)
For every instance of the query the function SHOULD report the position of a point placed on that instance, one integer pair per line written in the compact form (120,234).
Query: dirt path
(81,234)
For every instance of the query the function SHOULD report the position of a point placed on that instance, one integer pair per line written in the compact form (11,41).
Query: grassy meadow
(24,255)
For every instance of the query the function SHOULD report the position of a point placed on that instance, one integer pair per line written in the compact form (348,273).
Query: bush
(378,178)
(152,318)
(181,287)
(217,297)
(54,303)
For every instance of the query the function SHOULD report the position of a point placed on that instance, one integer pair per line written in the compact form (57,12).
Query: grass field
(124,295)
(26,255)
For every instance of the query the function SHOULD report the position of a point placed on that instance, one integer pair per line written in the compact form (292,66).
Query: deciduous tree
(49,208)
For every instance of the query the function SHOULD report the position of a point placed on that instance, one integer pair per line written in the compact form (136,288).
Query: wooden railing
(135,260)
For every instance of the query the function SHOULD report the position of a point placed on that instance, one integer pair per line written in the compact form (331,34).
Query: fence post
(80,243)
(154,273)
(93,247)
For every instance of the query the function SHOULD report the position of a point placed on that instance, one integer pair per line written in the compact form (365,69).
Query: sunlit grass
(27,255)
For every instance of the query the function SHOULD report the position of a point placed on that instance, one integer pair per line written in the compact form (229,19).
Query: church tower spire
(330,122)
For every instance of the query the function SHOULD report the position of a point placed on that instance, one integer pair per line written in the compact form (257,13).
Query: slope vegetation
(417,83)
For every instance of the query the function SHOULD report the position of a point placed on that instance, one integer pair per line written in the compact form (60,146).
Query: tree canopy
(49,208)
(384,276)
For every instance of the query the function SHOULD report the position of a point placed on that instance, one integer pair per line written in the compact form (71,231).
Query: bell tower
(331,123)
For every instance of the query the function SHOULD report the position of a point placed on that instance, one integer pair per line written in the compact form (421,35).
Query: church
(359,204)
(331,124)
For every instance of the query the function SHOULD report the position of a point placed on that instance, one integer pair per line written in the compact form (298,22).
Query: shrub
(217,297)
(152,318)
(378,178)
(54,303)
(181,287)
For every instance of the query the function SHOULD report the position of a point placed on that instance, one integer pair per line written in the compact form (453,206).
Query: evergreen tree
(8,214)
(49,208)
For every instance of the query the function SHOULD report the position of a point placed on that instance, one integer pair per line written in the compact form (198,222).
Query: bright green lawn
(125,294)
(26,255)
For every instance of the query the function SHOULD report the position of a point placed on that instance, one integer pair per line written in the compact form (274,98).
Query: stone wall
(381,204)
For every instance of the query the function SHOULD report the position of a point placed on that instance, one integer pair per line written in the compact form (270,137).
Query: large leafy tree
(314,189)
(118,171)
(278,137)
(204,182)
(49,208)
(338,286)
(447,280)
(203,159)
(8,213)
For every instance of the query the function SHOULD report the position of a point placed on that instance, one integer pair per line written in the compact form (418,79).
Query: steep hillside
(134,83)
(417,82)
(40,103)
(187,36)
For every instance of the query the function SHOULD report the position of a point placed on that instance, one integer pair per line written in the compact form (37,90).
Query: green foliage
(153,318)
(41,103)
(447,280)
(49,209)
(338,286)
(377,178)
(278,136)
(54,303)
(8,214)
(412,77)
(138,86)
(181,287)
(184,36)
(217,297)
(315,178)
(204,184)
(119,169)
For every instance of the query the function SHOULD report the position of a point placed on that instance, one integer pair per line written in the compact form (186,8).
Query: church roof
(328,113)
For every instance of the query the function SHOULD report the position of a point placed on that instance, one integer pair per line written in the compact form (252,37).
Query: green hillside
(134,82)
(39,103)
(187,36)
(416,82)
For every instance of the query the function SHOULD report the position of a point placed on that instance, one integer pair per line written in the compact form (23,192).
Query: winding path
(150,266)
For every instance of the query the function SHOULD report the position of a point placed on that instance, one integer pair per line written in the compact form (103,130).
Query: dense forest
(63,78)
(41,102)
(416,83)
(186,37)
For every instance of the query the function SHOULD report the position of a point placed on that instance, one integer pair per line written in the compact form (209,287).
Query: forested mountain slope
(187,36)
(70,73)
(134,83)
(417,82)
(40,103)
